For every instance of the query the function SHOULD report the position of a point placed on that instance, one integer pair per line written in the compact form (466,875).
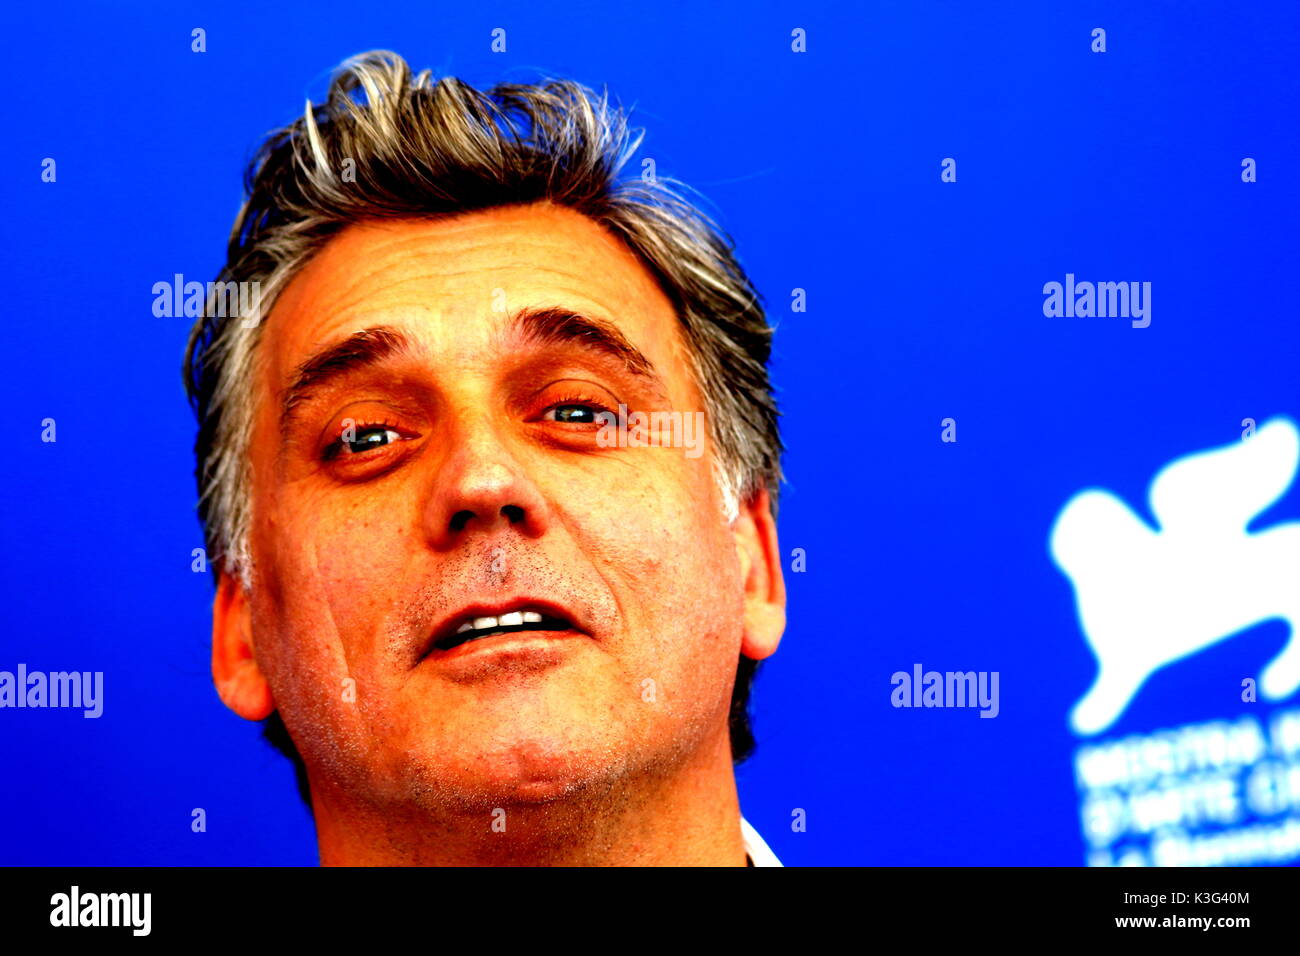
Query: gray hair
(419,148)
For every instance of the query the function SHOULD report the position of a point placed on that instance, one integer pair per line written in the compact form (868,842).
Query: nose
(481,489)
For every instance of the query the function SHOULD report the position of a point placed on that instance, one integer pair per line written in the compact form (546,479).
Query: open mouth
(477,627)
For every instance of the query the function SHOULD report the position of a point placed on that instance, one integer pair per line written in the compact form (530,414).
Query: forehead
(452,282)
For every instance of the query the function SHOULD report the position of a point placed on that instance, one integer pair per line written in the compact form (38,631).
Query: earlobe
(760,565)
(238,679)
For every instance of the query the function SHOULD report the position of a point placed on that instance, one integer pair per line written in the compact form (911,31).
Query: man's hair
(389,145)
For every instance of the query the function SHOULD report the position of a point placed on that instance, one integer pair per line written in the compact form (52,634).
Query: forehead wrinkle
(409,241)
(370,254)
(415,243)
(360,288)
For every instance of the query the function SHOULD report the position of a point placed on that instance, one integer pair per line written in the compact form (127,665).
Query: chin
(525,772)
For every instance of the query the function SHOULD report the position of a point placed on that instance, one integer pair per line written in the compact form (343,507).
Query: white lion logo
(1147,598)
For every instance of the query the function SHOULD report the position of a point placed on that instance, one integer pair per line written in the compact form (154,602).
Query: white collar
(759,852)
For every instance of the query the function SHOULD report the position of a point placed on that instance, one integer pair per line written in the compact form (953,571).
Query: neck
(687,816)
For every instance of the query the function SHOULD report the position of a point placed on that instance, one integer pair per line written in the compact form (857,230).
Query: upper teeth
(505,620)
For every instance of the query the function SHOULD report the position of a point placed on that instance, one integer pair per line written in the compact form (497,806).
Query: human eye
(368,438)
(576,412)
(573,405)
(360,439)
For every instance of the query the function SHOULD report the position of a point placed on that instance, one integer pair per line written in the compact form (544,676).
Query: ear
(760,568)
(234,669)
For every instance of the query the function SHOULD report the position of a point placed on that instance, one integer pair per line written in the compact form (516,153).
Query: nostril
(514,514)
(460,519)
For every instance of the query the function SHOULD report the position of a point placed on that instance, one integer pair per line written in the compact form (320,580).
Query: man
(470,554)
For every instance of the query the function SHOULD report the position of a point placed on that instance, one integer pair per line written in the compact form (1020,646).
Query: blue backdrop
(923,302)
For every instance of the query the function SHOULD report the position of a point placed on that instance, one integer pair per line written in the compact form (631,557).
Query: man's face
(447,468)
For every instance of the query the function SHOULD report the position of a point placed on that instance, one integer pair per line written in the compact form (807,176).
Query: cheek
(344,544)
(322,568)
(322,574)
(670,560)
(358,553)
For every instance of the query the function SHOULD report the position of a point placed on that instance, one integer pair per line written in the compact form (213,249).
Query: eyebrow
(359,350)
(544,326)
(552,326)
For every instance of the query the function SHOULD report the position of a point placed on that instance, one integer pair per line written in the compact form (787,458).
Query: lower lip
(521,650)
